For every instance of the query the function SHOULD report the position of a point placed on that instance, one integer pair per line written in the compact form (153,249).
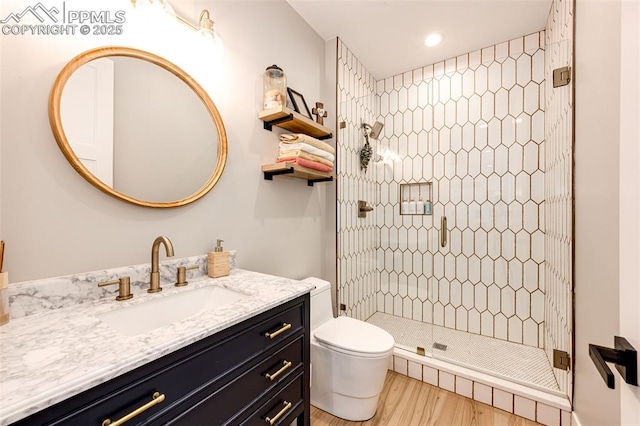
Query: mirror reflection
(139,130)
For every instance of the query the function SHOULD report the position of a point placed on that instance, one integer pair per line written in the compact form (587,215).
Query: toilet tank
(321,309)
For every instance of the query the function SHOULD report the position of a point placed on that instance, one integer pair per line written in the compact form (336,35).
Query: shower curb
(532,404)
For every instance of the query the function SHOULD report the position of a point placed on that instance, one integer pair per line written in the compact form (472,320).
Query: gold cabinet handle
(287,407)
(285,327)
(443,230)
(157,399)
(285,366)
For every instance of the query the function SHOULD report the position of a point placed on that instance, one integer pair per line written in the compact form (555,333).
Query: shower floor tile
(521,364)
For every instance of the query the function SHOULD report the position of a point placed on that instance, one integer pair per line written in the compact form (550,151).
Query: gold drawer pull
(287,407)
(285,366)
(285,327)
(157,399)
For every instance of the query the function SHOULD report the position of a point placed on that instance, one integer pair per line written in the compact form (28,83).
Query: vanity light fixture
(205,26)
(433,39)
(206,30)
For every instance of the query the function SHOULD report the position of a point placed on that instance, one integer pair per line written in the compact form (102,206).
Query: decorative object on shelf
(367,151)
(303,157)
(306,151)
(319,112)
(298,102)
(274,87)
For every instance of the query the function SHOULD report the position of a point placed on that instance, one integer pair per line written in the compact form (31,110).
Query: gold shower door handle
(443,231)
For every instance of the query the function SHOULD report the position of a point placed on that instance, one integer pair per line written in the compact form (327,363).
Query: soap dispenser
(218,261)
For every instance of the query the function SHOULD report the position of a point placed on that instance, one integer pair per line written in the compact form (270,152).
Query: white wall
(630,197)
(56,223)
(597,136)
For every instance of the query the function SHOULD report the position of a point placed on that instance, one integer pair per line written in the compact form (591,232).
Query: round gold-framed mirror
(137,127)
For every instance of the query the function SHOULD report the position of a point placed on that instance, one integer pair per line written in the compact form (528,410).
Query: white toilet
(349,359)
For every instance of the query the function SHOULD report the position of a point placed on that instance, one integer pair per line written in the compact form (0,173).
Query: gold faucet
(155,274)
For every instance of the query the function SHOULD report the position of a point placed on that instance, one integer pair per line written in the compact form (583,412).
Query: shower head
(375,130)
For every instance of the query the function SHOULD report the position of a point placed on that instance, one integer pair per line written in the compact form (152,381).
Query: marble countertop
(55,354)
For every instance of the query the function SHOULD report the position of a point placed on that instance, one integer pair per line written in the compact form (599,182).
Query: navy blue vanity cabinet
(256,372)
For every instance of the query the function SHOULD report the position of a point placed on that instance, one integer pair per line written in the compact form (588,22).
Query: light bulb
(433,39)
(208,34)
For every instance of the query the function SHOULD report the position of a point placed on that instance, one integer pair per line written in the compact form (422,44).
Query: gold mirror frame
(61,139)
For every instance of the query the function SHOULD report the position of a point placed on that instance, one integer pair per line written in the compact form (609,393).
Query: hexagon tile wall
(474,126)
(357,237)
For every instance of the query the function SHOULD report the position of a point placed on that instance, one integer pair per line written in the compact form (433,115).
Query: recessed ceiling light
(433,39)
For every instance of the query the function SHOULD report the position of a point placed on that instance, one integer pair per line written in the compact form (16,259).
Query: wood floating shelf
(295,122)
(296,171)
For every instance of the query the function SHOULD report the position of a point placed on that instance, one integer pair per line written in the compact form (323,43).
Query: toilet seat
(354,337)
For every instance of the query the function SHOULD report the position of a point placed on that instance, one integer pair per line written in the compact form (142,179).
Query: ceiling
(388,36)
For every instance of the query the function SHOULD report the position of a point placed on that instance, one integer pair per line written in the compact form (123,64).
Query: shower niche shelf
(296,171)
(292,121)
(413,193)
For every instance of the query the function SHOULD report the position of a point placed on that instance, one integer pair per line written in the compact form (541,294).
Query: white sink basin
(144,317)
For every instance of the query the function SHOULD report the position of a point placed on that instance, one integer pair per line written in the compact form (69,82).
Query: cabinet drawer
(224,403)
(281,408)
(219,363)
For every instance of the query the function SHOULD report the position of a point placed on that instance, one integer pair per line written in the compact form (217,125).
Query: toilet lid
(354,336)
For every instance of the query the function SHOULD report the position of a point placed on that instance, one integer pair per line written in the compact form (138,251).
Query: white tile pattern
(357,237)
(547,415)
(464,387)
(483,393)
(558,241)
(524,407)
(447,381)
(474,126)
(503,400)
(543,407)
(512,361)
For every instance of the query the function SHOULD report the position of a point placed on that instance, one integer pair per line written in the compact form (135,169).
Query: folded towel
(306,163)
(306,148)
(305,155)
(299,137)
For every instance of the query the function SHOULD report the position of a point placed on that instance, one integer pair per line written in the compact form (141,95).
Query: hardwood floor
(408,402)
